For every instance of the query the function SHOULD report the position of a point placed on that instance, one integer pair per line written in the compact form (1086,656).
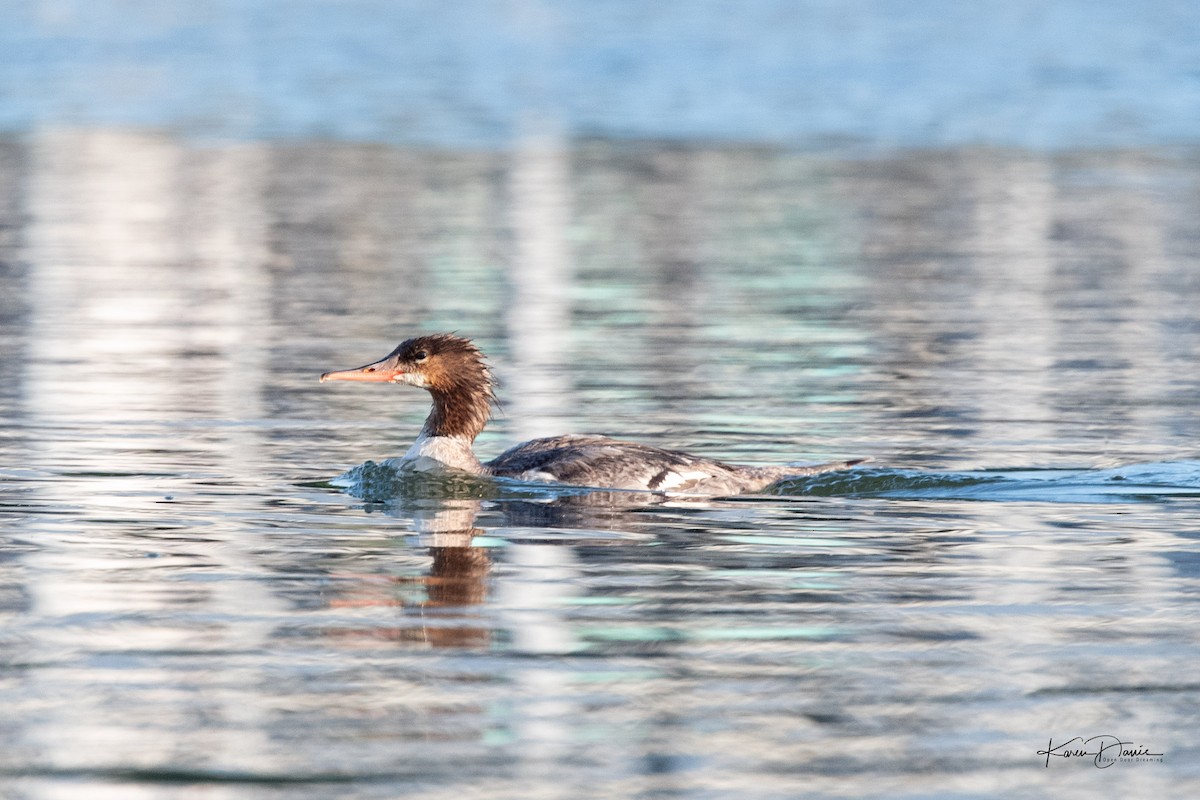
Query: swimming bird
(454,372)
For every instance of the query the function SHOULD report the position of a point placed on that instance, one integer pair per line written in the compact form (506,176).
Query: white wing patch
(666,481)
(537,475)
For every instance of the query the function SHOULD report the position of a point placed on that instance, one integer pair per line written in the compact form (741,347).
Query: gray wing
(601,462)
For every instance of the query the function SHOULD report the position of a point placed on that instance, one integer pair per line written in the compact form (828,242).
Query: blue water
(875,74)
(1130,483)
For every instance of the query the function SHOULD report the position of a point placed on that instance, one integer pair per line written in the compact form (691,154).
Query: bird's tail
(765,476)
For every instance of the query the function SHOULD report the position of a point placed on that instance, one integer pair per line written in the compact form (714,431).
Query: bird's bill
(384,371)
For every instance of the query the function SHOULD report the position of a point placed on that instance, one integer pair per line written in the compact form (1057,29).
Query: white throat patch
(412,379)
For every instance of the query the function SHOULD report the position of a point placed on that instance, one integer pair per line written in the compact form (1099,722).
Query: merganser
(453,370)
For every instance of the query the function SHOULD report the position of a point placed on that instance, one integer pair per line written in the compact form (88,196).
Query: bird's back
(601,462)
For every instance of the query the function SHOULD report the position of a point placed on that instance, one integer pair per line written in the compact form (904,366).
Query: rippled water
(192,600)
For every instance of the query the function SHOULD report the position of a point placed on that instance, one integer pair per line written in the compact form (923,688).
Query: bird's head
(442,363)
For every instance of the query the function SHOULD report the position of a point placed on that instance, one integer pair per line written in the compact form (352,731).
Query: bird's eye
(420,356)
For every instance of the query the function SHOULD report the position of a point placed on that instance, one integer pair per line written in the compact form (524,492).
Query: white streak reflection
(538,313)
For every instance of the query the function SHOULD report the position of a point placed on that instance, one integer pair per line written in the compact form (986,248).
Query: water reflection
(539,276)
(441,599)
(187,600)
(168,279)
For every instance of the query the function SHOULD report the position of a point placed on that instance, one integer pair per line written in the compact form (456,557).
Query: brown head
(450,367)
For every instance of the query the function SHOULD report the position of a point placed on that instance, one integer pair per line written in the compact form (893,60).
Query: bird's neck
(457,414)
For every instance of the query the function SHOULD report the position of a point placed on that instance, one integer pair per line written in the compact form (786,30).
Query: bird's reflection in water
(451,515)
(438,605)
(458,573)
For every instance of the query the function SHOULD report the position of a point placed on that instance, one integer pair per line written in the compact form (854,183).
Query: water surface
(482,72)
(191,600)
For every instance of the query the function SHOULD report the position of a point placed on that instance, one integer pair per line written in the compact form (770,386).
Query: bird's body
(454,372)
